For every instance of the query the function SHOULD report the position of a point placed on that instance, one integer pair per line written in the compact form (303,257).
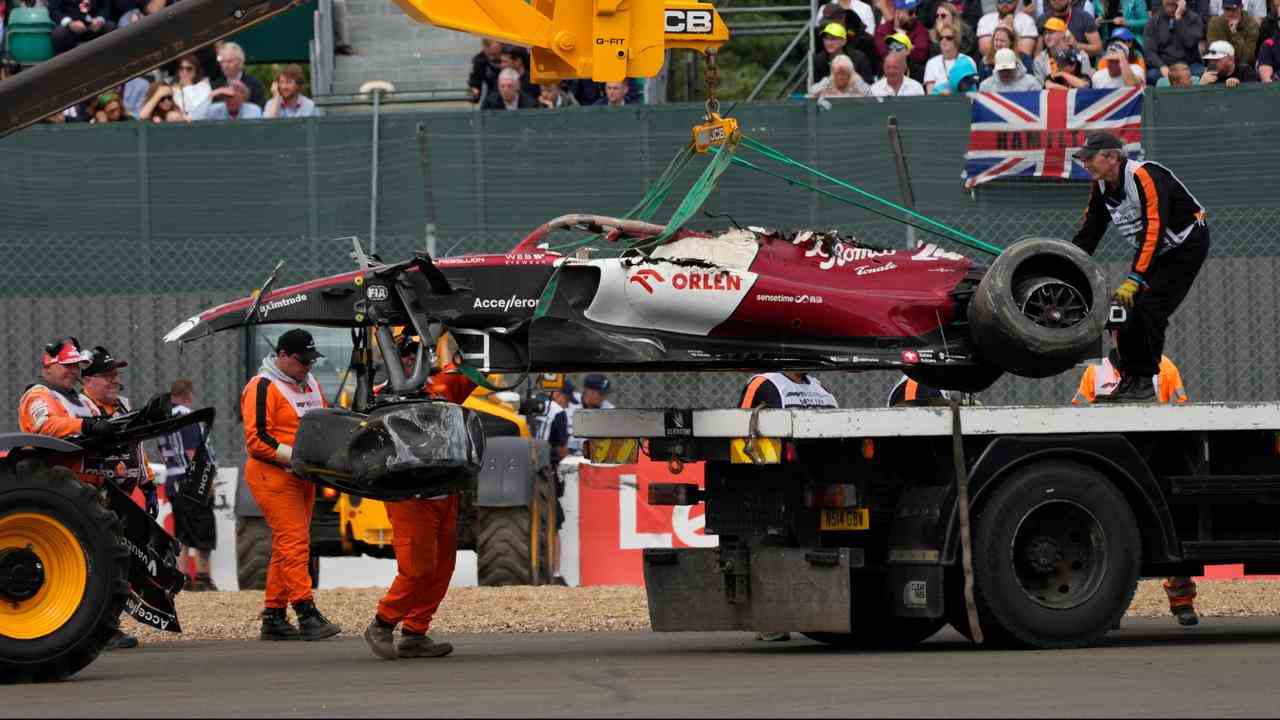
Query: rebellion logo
(714,281)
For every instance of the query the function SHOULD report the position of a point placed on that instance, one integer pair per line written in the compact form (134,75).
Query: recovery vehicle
(848,525)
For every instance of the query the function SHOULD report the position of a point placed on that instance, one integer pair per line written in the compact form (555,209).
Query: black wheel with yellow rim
(63,572)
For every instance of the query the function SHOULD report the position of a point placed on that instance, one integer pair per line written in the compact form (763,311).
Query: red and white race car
(745,299)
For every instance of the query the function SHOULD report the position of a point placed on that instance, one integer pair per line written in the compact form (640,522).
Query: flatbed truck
(845,524)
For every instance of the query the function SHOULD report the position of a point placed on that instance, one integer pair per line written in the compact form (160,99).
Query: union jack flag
(1033,134)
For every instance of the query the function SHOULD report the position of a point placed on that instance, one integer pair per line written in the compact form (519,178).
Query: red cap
(65,351)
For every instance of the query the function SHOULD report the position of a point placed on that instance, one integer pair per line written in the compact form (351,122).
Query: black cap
(1097,142)
(1066,56)
(567,387)
(101,361)
(298,342)
(597,382)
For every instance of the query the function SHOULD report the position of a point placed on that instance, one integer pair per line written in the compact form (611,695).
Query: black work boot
(311,624)
(381,639)
(276,626)
(413,645)
(121,641)
(1133,389)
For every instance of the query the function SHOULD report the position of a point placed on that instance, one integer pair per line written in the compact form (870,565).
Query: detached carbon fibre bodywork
(744,299)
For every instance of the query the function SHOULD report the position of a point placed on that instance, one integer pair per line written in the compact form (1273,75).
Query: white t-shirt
(193,99)
(1102,79)
(1023,24)
(909,88)
(935,71)
(863,10)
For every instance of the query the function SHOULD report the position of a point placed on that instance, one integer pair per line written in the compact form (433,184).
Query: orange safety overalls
(45,411)
(271,407)
(425,537)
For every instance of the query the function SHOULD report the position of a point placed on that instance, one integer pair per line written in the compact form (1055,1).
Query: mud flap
(154,578)
(790,589)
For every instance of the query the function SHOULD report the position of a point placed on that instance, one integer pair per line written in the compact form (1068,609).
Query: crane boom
(605,40)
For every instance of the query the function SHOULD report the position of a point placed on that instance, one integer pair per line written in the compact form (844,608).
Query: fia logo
(376,293)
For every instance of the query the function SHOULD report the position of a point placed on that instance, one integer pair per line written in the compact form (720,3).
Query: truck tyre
(64,573)
(1056,557)
(253,552)
(1039,309)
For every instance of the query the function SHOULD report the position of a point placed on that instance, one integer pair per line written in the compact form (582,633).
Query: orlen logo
(642,278)
(688,280)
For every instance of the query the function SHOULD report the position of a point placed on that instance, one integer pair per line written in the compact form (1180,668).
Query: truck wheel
(63,573)
(503,546)
(1056,555)
(1040,307)
(253,552)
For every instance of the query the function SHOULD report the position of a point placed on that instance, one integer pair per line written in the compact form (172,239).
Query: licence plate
(851,519)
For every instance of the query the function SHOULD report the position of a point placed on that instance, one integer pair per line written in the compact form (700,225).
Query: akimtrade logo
(267,308)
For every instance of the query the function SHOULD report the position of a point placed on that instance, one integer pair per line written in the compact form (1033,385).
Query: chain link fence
(118,233)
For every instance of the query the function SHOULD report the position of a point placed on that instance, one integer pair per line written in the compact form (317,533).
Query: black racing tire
(45,510)
(253,552)
(1039,309)
(874,626)
(503,546)
(1056,555)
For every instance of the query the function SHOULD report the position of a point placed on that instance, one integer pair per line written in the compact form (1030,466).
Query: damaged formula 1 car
(741,300)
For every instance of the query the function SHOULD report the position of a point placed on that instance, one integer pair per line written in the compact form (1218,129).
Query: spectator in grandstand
(948,16)
(1234,27)
(517,58)
(841,10)
(287,100)
(77,21)
(1179,76)
(510,96)
(615,95)
(857,36)
(1223,69)
(961,78)
(1007,14)
(159,106)
(1056,38)
(1173,36)
(231,60)
(939,66)
(1010,75)
(192,91)
(1269,58)
(834,45)
(231,102)
(341,29)
(134,93)
(963,12)
(895,82)
(553,97)
(1001,38)
(1213,8)
(843,81)
(1082,29)
(1269,28)
(109,108)
(1118,68)
(1115,15)
(904,22)
(485,66)
(1069,74)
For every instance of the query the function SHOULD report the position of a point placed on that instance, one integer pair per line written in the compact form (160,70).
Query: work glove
(1125,293)
(97,427)
(153,504)
(284,454)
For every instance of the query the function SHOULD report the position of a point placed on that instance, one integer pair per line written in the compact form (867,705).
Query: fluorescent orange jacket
(1102,379)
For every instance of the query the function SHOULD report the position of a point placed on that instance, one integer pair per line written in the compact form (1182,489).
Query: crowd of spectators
(941,47)
(500,80)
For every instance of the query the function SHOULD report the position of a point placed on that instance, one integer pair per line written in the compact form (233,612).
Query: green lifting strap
(957,235)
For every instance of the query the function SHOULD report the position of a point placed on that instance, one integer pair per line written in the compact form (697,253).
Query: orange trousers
(287,501)
(425,537)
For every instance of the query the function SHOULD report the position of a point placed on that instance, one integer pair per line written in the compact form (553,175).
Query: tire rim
(1052,303)
(65,575)
(1059,555)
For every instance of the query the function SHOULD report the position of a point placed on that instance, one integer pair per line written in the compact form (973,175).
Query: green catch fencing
(117,233)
